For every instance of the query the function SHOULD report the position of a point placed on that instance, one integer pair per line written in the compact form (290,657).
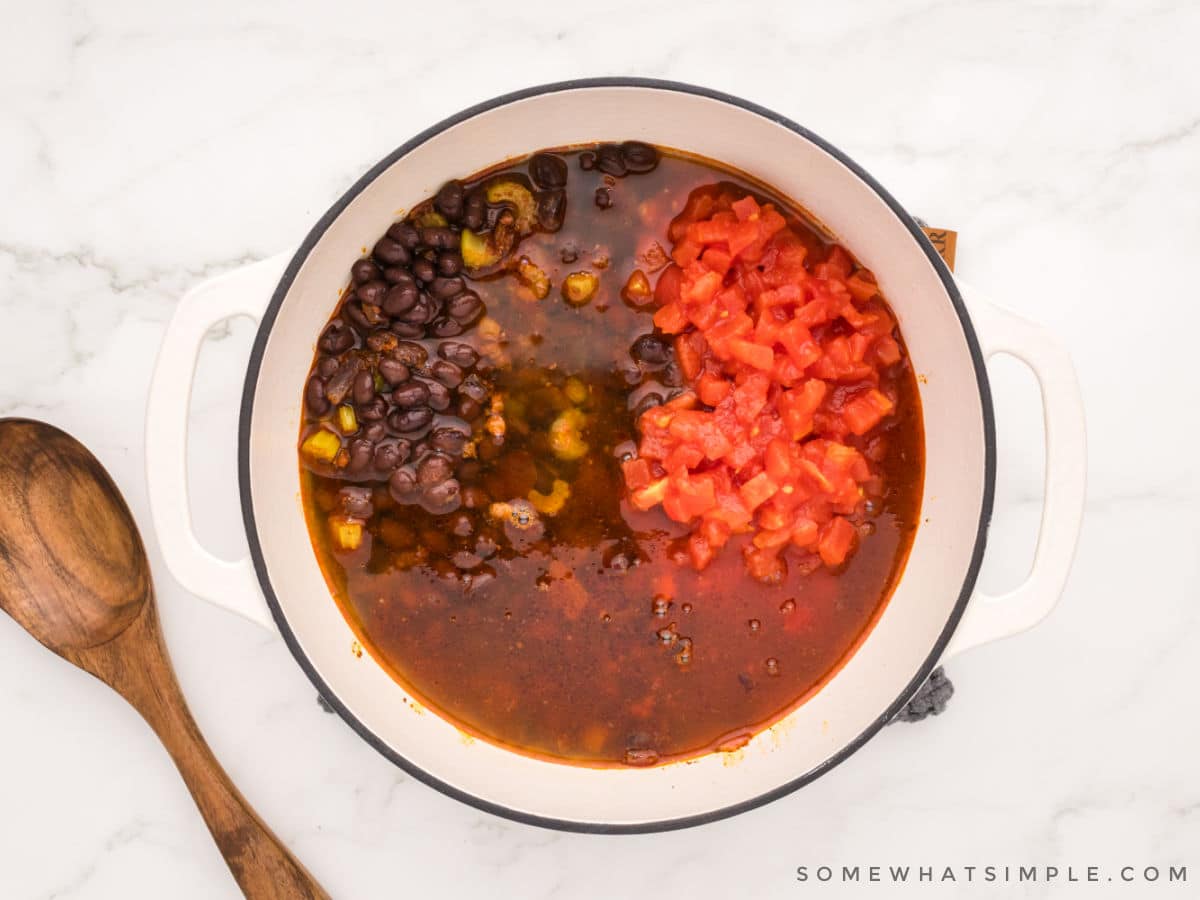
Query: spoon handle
(137,666)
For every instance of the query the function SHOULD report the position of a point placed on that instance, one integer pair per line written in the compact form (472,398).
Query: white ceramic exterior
(914,630)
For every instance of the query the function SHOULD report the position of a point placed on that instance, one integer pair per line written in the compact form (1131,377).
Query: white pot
(933,612)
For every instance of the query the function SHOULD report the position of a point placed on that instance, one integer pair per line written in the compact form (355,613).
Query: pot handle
(989,618)
(242,292)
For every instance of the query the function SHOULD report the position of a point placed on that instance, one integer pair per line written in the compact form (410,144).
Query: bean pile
(391,397)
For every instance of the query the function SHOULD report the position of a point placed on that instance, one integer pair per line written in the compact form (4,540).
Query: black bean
(551,209)
(336,338)
(548,171)
(648,401)
(473,388)
(445,288)
(400,298)
(446,372)
(314,396)
(474,210)
(468,409)
(364,270)
(420,312)
(408,329)
(443,497)
(639,157)
(457,352)
(650,348)
(448,440)
(411,354)
(355,499)
(603,198)
(411,393)
(444,327)
(466,308)
(381,341)
(361,452)
(449,263)
(391,252)
(587,160)
(406,421)
(610,161)
(439,238)
(396,274)
(405,234)
(353,313)
(375,431)
(423,270)
(373,410)
(339,384)
(449,200)
(475,498)
(371,291)
(363,389)
(390,455)
(434,468)
(326,366)
(402,485)
(392,370)
(420,450)
(671,375)
(439,395)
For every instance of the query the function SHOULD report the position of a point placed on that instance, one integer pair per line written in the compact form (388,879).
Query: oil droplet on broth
(772,666)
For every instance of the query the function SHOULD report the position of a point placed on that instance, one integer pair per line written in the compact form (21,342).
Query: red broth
(579,629)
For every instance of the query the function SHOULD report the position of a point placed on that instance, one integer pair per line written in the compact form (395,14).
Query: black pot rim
(360,727)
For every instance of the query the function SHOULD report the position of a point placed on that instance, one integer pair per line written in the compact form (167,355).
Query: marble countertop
(148,146)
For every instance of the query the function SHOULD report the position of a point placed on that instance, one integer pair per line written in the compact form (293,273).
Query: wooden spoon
(74,574)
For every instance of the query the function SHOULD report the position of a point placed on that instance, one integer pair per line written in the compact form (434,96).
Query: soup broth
(530,602)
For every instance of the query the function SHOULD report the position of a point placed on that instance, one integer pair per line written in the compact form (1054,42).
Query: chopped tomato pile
(782,356)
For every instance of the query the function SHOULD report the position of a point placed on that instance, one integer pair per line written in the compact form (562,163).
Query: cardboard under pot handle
(242,292)
(990,618)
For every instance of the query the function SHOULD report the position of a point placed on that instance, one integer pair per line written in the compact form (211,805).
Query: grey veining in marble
(147,146)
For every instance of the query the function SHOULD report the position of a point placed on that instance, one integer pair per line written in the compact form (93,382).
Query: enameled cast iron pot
(933,613)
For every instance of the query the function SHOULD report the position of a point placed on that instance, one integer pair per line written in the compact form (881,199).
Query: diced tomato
(637,473)
(805,533)
(700,551)
(648,497)
(688,354)
(752,354)
(717,260)
(866,411)
(685,252)
(715,531)
(887,350)
(765,565)
(757,490)
(836,541)
(862,285)
(746,208)
(667,289)
(798,341)
(670,319)
(785,363)
(839,262)
(712,389)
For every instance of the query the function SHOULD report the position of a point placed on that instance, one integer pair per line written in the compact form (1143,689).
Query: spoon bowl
(74,574)
(74,569)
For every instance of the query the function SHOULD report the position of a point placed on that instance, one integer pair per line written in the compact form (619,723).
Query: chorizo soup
(611,456)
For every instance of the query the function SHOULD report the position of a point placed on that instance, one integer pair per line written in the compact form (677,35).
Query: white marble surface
(146,146)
